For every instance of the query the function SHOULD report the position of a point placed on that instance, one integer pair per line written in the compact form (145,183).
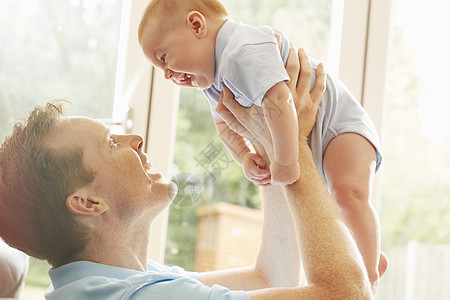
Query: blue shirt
(88,280)
(248,61)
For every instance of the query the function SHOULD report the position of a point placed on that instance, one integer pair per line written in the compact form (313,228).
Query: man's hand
(306,103)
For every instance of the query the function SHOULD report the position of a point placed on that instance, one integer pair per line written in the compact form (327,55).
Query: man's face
(185,59)
(119,166)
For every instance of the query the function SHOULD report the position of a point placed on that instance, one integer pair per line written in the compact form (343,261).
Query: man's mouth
(147,167)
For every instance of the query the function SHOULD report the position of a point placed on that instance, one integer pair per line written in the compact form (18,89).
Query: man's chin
(172,190)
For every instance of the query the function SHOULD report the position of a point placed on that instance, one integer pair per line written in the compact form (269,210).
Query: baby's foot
(383,265)
(284,175)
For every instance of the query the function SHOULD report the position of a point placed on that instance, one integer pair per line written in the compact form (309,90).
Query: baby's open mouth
(187,78)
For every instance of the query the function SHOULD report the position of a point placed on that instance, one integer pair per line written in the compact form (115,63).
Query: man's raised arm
(332,263)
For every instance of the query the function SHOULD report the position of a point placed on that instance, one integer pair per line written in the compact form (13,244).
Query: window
(415,215)
(70,49)
(415,211)
(58,50)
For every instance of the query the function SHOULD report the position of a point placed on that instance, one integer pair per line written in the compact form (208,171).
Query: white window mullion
(378,42)
(161,144)
(353,45)
(364,53)
(375,76)
(153,102)
(363,58)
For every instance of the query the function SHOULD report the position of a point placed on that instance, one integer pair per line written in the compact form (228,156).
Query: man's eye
(163,58)
(113,141)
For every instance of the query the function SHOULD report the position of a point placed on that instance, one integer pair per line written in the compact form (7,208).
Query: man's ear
(197,23)
(80,204)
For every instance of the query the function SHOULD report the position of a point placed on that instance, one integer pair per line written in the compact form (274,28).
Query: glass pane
(415,211)
(305,23)
(57,49)
(206,172)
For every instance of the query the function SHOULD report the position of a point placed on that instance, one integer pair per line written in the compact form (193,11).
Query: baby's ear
(197,23)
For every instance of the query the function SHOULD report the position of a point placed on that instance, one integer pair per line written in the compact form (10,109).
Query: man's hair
(162,10)
(35,180)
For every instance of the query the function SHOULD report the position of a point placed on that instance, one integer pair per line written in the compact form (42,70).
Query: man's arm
(278,260)
(278,238)
(233,141)
(332,263)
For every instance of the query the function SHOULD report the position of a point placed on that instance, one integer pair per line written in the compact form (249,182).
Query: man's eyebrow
(108,134)
(103,141)
(107,131)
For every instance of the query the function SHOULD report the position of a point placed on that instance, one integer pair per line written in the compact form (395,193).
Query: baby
(196,44)
(206,50)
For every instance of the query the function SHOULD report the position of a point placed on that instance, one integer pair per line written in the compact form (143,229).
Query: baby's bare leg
(349,166)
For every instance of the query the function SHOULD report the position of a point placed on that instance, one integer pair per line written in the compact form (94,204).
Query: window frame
(153,102)
(364,61)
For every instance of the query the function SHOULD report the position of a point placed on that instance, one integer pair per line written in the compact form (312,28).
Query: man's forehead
(76,121)
(79,130)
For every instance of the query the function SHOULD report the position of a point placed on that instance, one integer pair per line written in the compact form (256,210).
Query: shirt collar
(74,271)
(222,38)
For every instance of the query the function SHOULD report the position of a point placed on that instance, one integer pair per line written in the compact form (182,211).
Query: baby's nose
(168,74)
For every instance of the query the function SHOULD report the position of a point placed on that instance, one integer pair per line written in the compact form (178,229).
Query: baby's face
(185,59)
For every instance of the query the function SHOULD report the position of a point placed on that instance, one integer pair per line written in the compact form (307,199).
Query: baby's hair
(163,10)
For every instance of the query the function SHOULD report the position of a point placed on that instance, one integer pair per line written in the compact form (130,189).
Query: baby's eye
(163,58)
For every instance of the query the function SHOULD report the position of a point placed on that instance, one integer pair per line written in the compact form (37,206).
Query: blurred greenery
(37,276)
(195,131)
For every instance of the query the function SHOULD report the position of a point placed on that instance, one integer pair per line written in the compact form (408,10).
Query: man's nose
(136,141)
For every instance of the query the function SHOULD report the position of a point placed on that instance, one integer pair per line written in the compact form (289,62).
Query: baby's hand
(255,169)
(284,175)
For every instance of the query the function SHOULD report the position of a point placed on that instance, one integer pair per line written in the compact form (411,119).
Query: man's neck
(125,250)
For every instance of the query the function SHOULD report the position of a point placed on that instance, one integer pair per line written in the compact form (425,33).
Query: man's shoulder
(143,285)
(86,280)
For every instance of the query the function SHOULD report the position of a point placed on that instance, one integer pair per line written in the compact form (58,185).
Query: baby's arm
(254,166)
(281,117)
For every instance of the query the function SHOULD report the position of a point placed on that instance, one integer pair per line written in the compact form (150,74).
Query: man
(83,199)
